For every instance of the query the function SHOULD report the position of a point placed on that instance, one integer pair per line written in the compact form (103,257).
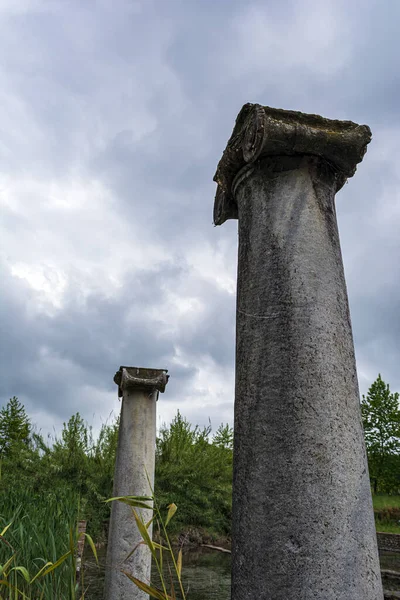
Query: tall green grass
(40,537)
(382,502)
(383,527)
(387,513)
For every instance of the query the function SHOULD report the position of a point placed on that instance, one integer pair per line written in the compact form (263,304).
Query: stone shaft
(303,523)
(134,469)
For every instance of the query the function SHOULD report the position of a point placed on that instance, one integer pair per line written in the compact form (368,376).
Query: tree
(381,421)
(15,427)
(195,474)
(101,475)
(71,453)
(223,437)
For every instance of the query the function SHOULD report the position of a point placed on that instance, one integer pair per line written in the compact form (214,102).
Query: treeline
(193,469)
(193,465)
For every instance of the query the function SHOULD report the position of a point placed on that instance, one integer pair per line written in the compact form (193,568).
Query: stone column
(134,469)
(303,525)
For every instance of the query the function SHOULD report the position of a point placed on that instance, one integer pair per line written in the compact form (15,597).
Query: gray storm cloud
(113,121)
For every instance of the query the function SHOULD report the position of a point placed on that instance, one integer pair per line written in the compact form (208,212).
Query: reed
(38,543)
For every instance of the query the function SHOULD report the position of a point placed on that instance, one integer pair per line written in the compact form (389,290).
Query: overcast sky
(113,116)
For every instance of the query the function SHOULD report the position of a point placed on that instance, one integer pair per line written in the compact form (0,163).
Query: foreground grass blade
(144,533)
(135,501)
(5,529)
(159,546)
(141,543)
(173,593)
(24,573)
(92,546)
(150,522)
(179,564)
(3,569)
(172,508)
(152,591)
(56,564)
(39,573)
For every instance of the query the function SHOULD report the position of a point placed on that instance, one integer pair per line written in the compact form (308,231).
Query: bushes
(196,474)
(193,468)
(74,466)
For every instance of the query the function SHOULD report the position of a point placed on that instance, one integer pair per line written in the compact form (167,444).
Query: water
(206,575)
(390,561)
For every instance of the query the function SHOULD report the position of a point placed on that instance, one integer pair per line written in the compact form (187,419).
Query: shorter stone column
(133,476)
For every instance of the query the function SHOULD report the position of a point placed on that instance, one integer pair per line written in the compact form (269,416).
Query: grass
(387,513)
(385,502)
(38,545)
(387,527)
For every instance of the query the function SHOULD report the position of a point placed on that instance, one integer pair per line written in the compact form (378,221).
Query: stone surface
(264,131)
(139,378)
(133,470)
(303,523)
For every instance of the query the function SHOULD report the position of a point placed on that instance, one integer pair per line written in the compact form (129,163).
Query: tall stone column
(134,469)
(303,525)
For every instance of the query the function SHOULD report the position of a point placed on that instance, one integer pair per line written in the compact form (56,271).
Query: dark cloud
(113,121)
(48,357)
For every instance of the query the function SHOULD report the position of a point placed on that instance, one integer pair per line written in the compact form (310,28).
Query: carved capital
(263,131)
(140,379)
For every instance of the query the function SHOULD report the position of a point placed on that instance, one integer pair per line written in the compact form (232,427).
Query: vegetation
(38,552)
(193,467)
(387,527)
(46,485)
(15,427)
(162,553)
(74,466)
(386,502)
(196,474)
(387,513)
(381,420)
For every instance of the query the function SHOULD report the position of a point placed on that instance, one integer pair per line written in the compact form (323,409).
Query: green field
(386,502)
(387,513)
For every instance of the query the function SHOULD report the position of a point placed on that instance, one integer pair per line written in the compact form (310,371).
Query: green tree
(381,421)
(101,475)
(223,437)
(196,474)
(19,451)
(15,427)
(71,454)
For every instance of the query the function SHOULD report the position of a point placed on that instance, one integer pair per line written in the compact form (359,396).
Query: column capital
(263,131)
(140,379)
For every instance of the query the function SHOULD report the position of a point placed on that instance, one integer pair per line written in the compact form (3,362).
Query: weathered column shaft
(303,524)
(302,494)
(133,476)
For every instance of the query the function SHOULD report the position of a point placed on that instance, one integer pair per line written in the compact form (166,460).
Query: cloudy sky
(114,114)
